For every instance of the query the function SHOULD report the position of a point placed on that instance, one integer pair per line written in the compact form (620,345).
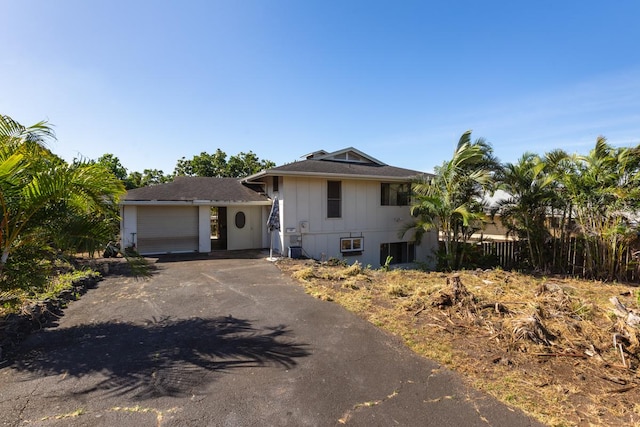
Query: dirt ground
(555,347)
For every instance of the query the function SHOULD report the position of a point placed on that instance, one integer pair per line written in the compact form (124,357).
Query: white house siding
(129,226)
(305,222)
(175,229)
(204,229)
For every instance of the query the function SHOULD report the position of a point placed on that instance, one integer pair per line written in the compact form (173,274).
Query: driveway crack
(233,289)
(476,408)
(20,419)
(368,404)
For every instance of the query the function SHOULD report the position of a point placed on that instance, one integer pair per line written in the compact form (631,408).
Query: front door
(218,228)
(245,227)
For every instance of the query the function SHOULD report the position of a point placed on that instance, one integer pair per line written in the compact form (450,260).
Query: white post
(271,245)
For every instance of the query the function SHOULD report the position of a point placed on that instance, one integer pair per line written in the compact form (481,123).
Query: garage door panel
(167,229)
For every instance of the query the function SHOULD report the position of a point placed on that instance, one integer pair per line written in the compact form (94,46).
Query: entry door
(244,227)
(220,240)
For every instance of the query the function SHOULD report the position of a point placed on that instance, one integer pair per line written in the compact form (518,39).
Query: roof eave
(196,202)
(255,175)
(336,175)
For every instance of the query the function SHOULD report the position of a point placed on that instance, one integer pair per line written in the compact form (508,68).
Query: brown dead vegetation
(566,351)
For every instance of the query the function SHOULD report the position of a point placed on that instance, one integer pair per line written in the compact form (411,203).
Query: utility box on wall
(295,252)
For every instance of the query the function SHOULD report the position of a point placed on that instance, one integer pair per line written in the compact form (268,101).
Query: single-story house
(194,214)
(344,204)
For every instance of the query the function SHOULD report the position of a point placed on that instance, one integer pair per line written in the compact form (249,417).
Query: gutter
(194,203)
(354,177)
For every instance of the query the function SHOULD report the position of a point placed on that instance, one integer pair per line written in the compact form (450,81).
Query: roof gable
(346,163)
(349,154)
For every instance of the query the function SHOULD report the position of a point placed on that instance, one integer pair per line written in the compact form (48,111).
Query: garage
(167,229)
(194,214)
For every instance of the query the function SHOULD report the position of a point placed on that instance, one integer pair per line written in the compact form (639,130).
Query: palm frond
(12,131)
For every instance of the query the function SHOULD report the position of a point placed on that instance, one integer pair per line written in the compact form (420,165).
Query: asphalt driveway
(227,342)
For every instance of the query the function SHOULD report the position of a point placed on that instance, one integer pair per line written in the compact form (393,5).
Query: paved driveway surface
(227,343)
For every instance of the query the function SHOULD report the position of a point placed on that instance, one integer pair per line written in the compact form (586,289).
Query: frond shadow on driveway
(164,357)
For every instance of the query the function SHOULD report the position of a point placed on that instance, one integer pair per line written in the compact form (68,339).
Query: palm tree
(605,196)
(44,201)
(562,167)
(450,200)
(531,193)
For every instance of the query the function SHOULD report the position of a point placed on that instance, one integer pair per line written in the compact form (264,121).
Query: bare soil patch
(556,347)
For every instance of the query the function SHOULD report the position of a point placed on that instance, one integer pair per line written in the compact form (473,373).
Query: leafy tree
(146,177)
(46,204)
(112,163)
(593,201)
(531,192)
(560,166)
(451,200)
(216,165)
(132,179)
(245,164)
(204,164)
(604,193)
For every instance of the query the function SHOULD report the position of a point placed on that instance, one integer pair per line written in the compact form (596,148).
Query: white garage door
(167,229)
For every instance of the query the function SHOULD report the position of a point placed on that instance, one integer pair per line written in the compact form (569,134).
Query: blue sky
(151,81)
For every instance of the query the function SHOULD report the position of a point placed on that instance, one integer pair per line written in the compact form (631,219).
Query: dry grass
(544,345)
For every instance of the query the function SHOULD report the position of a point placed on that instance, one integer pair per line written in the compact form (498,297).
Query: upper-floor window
(334,199)
(395,194)
(274,183)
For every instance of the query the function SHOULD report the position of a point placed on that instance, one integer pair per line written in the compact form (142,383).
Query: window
(334,199)
(351,245)
(400,253)
(395,194)
(275,183)
(240,219)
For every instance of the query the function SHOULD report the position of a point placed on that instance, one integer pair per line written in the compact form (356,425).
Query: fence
(507,254)
(569,258)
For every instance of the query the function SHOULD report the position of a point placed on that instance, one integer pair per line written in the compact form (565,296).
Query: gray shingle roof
(328,167)
(197,188)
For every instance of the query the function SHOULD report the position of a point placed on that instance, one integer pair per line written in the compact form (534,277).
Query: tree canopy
(49,207)
(203,164)
(217,165)
(569,207)
(450,201)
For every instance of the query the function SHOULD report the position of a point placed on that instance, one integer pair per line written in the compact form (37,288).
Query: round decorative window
(240,219)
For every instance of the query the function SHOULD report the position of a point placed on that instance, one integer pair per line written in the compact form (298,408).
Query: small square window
(351,245)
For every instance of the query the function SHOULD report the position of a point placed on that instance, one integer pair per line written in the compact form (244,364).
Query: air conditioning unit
(295,252)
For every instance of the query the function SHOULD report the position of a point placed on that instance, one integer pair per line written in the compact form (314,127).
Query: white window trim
(334,199)
(357,249)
